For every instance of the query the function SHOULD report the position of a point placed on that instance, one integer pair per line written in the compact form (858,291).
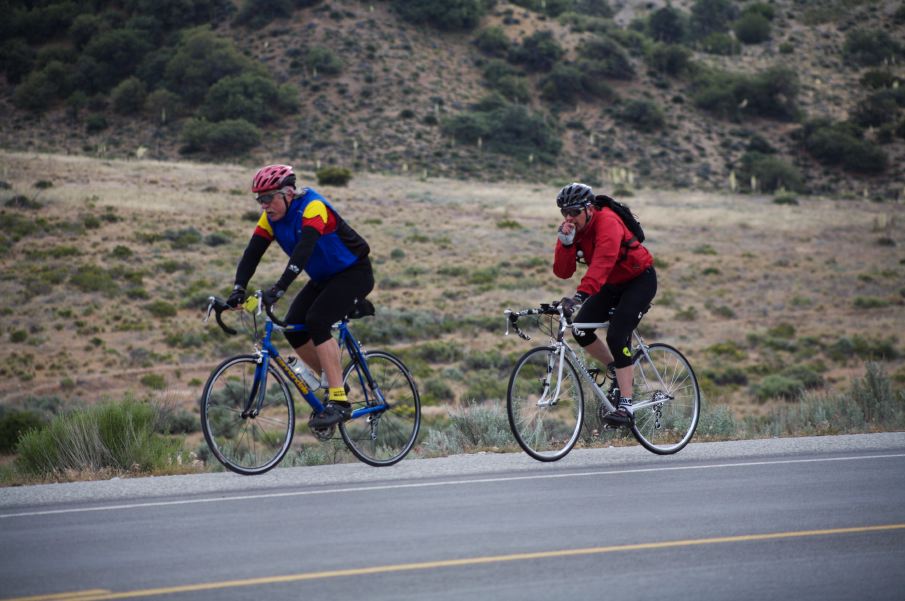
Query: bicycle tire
(545,432)
(383,438)
(249,445)
(665,427)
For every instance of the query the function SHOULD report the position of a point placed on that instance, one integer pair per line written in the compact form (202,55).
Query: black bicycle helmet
(574,195)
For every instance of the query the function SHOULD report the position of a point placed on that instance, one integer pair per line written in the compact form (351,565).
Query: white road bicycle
(545,399)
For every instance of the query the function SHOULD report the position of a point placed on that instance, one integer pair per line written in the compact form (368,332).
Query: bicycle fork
(547,399)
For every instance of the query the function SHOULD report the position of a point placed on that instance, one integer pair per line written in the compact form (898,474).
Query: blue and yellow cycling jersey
(338,247)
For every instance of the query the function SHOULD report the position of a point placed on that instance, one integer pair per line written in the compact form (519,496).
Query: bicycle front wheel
(244,440)
(667,400)
(382,437)
(545,412)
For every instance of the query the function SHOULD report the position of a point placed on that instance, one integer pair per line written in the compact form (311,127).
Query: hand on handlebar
(272,295)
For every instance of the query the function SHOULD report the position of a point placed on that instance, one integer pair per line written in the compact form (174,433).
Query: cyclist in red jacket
(620,276)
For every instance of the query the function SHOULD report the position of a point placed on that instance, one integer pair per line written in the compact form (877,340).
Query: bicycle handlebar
(217,306)
(512,317)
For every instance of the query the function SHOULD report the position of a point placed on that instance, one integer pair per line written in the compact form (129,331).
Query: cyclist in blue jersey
(334,256)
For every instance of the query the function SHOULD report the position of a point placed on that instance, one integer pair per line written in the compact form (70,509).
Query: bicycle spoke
(545,413)
(384,437)
(248,445)
(669,400)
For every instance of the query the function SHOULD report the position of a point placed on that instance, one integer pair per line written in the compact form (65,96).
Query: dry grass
(465,250)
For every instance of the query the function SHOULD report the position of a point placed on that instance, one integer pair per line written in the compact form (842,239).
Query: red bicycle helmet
(272,177)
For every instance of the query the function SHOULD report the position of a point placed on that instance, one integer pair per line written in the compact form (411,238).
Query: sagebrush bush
(771,173)
(538,52)
(228,137)
(667,24)
(443,14)
(117,436)
(603,57)
(752,28)
(772,93)
(493,41)
(643,115)
(672,59)
(870,47)
(840,144)
(15,423)
(333,176)
(128,97)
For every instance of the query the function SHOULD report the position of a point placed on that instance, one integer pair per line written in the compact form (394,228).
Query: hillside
(106,265)
(377,93)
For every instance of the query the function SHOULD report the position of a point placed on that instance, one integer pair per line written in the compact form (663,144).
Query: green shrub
(667,24)
(493,41)
(721,44)
(538,52)
(333,176)
(112,436)
(91,278)
(772,93)
(450,15)
(870,47)
(777,386)
(874,395)
(161,308)
(14,423)
(567,84)
(840,144)
(128,97)
(164,106)
(255,14)
(228,137)
(117,53)
(643,115)
(711,16)
(507,80)
(153,381)
(672,59)
(184,238)
(878,109)
(41,88)
(322,60)
(771,173)
(603,57)
(201,59)
(16,59)
(509,130)
(249,96)
(752,28)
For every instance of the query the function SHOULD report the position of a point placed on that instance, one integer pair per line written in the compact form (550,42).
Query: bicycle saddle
(362,308)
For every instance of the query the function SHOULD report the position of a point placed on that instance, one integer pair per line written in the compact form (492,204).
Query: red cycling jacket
(609,262)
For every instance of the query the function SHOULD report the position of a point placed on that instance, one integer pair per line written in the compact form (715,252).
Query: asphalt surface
(803,518)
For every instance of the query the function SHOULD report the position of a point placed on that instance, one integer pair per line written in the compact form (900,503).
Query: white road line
(348,489)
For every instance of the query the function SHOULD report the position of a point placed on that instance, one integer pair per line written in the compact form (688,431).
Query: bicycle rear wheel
(384,437)
(255,443)
(667,400)
(545,427)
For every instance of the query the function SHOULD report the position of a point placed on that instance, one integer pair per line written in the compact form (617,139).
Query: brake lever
(210,308)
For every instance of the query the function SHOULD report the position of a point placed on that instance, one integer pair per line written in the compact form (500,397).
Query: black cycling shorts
(320,305)
(630,300)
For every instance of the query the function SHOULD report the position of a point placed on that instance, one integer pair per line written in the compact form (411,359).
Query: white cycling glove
(566,239)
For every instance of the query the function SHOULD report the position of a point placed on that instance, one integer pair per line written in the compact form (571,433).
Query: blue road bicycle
(247,408)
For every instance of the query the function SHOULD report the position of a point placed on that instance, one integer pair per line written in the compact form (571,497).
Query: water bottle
(302,371)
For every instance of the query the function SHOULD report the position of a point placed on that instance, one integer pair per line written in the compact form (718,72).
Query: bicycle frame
(561,347)
(269,352)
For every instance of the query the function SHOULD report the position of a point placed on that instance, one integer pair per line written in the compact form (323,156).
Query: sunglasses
(266,198)
(571,212)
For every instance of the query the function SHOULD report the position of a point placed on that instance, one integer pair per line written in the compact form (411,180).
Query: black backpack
(602,200)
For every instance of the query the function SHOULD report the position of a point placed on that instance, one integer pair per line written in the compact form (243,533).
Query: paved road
(814,518)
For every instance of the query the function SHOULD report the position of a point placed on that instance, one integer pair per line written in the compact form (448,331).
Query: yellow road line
(103,595)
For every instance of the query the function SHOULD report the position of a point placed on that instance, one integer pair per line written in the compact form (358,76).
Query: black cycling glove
(236,297)
(272,296)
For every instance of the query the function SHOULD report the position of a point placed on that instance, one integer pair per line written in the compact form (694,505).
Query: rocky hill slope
(375,92)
